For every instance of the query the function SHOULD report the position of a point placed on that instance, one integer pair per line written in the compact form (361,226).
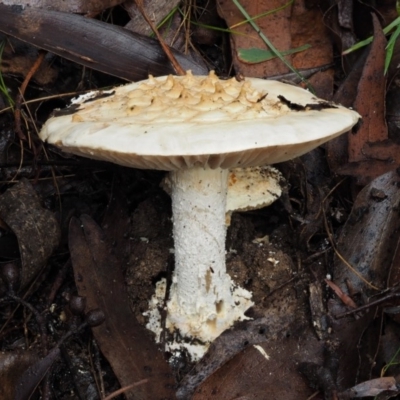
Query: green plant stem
(262,15)
(3,87)
(367,41)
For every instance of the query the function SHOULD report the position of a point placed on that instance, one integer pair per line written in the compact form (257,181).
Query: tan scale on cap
(173,122)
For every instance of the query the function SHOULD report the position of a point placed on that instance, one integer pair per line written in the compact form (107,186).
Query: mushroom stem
(203,298)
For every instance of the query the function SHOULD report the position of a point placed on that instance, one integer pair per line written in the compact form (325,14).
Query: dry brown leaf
(128,347)
(368,243)
(265,371)
(370,101)
(95,44)
(373,387)
(12,366)
(72,6)
(17,59)
(286,29)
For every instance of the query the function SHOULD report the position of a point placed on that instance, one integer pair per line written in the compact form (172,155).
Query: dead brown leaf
(17,59)
(35,227)
(94,44)
(29,379)
(287,28)
(265,371)
(370,101)
(337,149)
(370,152)
(373,387)
(12,366)
(72,6)
(126,344)
(367,242)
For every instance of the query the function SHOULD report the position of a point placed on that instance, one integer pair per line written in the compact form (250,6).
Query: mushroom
(249,188)
(197,127)
(252,188)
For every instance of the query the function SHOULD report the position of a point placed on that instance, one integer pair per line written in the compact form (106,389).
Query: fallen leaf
(337,149)
(32,376)
(368,239)
(17,60)
(287,26)
(94,44)
(12,366)
(373,387)
(128,347)
(265,371)
(370,101)
(35,227)
(70,6)
(368,243)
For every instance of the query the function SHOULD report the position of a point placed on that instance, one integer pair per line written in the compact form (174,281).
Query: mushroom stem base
(203,298)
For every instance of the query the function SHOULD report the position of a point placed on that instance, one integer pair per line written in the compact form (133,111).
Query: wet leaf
(368,243)
(12,366)
(17,60)
(368,240)
(36,228)
(127,345)
(265,371)
(365,171)
(337,149)
(370,101)
(72,6)
(31,377)
(373,387)
(94,44)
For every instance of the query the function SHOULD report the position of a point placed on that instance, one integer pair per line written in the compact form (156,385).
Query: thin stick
(18,102)
(177,67)
(125,389)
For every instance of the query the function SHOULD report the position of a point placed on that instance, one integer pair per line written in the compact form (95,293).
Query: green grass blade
(262,14)
(3,87)
(255,55)
(367,41)
(390,48)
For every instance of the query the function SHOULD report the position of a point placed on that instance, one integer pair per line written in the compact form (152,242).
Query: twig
(125,389)
(177,67)
(18,102)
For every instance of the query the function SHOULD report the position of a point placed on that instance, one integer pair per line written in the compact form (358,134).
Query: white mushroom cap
(175,122)
(252,188)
